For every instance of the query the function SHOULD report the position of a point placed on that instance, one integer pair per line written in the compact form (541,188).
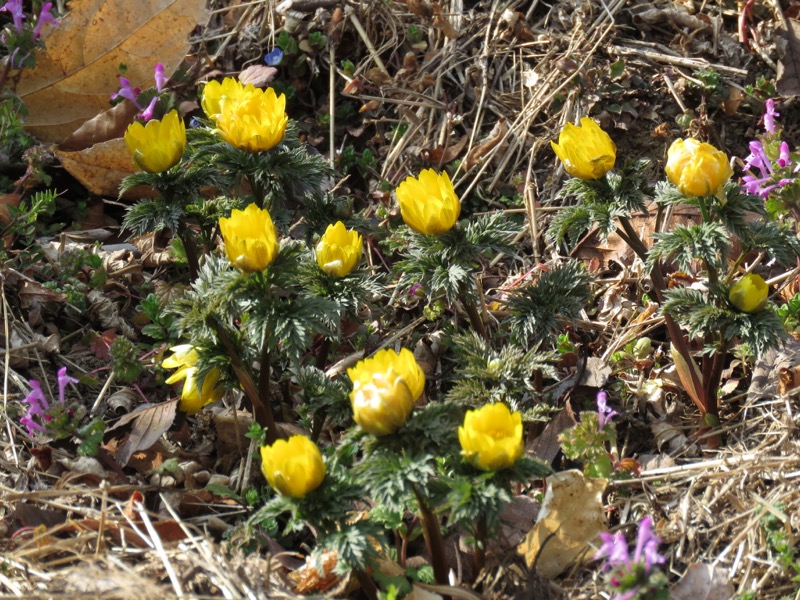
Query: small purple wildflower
(148,112)
(604,412)
(630,575)
(63,381)
(41,412)
(45,17)
(415,290)
(17,12)
(769,116)
(127,92)
(614,549)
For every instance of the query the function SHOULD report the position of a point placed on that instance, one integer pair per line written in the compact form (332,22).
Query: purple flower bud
(784,160)
(769,116)
(161,80)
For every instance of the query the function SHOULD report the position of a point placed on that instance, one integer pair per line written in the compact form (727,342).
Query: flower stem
(262,413)
(264,399)
(190,249)
(479,557)
(676,335)
(433,539)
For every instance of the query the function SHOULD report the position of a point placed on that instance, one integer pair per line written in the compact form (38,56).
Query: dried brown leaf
(149,423)
(494,138)
(77,72)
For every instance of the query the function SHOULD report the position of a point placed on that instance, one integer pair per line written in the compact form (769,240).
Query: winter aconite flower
(586,151)
(246,117)
(193,398)
(385,388)
(749,294)
(429,203)
(338,250)
(491,437)
(293,467)
(697,168)
(251,241)
(158,145)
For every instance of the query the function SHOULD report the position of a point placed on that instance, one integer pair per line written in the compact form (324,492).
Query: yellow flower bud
(193,398)
(428,204)
(385,388)
(251,242)
(586,151)
(246,117)
(293,467)
(159,145)
(338,250)
(749,294)
(697,168)
(491,437)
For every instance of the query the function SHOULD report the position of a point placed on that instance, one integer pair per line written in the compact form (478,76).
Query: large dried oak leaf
(77,72)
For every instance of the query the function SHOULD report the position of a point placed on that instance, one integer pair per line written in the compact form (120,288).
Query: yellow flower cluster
(491,437)
(385,389)
(697,168)
(251,241)
(428,204)
(750,293)
(338,250)
(193,398)
(159,145)
(293,467)
(586,151)
(246,117)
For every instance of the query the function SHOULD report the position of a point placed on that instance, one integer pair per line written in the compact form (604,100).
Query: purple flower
(784,160)
(127,92)
(614,549)
(45,16)
(769,116)
(604,412)
(161,80)
(758,158)
(147,113)
(647,546)
(17,13)
(63,381)
(36,399)
(41,412)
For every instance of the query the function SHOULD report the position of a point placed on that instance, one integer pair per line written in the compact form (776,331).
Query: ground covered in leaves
(385,89)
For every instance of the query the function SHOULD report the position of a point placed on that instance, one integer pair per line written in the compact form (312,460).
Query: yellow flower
(697,168)
(491,438)
(251,242)
(749,294)
(157,146)
(338,250)
(293,467)
(429,204)
(385,388)
(586,151)
(184,358)
(246,117)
